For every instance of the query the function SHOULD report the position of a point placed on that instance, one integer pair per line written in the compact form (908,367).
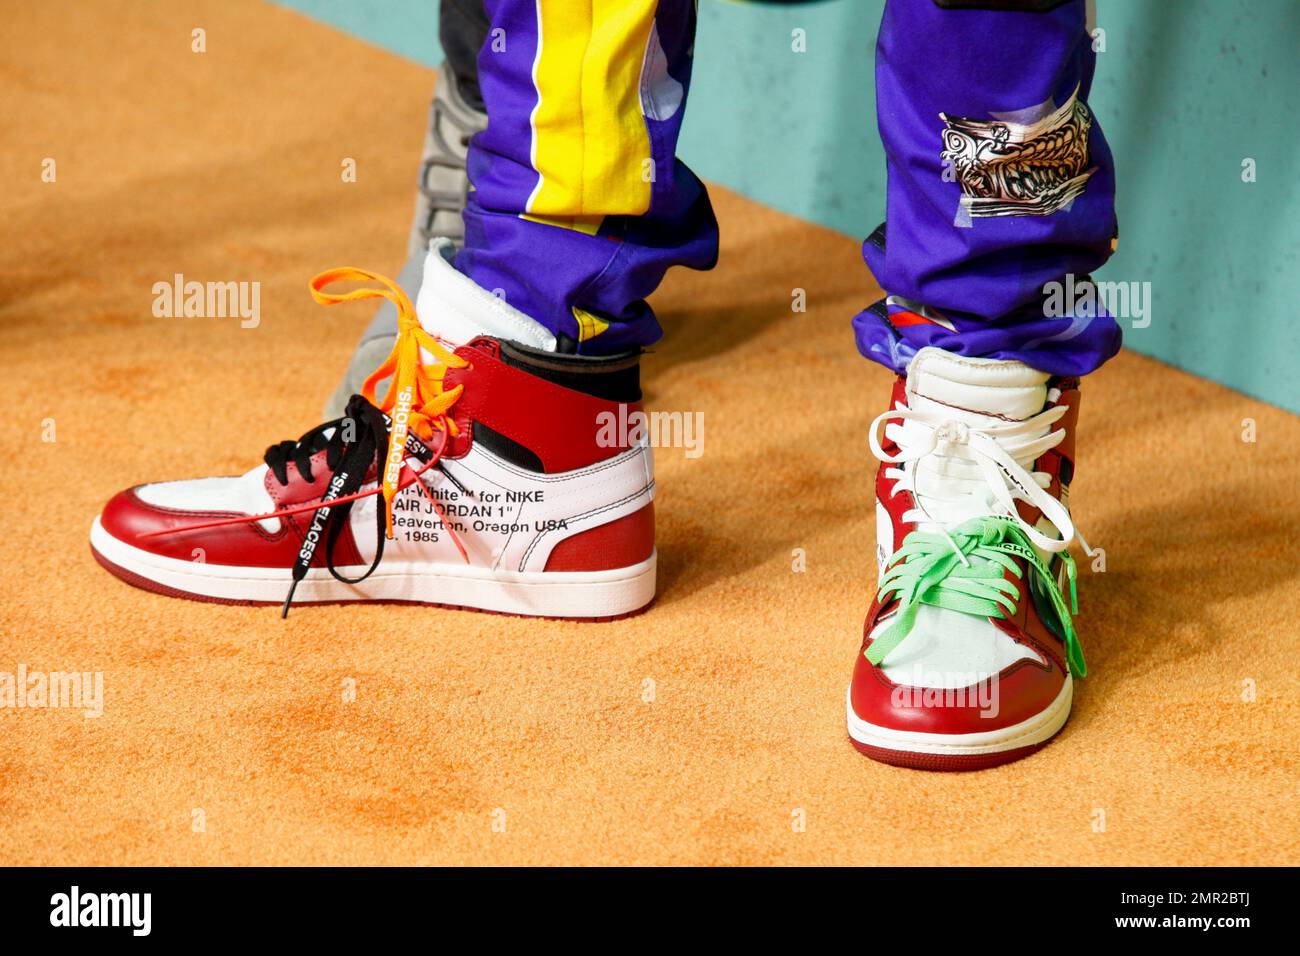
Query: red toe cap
(1017,694)
(134,521)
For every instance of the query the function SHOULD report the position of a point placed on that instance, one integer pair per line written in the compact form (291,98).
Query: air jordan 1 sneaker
(491,474)
(969,654)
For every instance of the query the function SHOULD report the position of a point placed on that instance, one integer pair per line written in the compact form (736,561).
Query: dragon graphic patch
(1029,163)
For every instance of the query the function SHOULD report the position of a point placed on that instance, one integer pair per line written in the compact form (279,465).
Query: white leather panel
(243,495)
(950,649)
(509,518)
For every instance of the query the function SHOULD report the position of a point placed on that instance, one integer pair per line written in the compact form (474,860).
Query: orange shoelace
(416,401)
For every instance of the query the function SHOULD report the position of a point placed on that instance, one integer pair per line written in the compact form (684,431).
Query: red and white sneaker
(486,478)
(969,652)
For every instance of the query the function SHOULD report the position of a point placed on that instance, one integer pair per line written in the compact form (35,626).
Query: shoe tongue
(974,389)
(453,307)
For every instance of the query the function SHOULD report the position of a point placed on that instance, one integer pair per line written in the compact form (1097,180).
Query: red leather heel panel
(560,426)
(621,543)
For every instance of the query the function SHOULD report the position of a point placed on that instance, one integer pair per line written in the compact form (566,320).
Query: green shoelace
(963,572)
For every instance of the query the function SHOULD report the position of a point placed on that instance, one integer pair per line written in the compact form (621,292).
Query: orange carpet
(225,736)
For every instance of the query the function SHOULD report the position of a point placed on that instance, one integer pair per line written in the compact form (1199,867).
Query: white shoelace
(994,450)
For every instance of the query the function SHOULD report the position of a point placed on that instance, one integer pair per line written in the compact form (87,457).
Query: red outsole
(145,584)
(949,763)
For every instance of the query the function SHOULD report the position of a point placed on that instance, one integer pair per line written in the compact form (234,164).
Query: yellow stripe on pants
(591,148)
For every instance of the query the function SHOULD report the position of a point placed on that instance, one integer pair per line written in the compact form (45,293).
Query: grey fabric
(444,183)
(463,29)
(443,187)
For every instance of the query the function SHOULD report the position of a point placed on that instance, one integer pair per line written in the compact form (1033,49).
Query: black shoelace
(352,444)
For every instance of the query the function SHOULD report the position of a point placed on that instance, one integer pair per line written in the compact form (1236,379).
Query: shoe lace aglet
(1083,543)
(961,555)
(288,599)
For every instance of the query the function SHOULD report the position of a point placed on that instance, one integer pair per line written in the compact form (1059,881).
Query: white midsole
(1037,729)
(541,593)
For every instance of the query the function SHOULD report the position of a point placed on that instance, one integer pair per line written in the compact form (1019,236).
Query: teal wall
(1185,91)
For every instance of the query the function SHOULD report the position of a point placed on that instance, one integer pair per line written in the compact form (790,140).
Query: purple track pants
(999,179)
